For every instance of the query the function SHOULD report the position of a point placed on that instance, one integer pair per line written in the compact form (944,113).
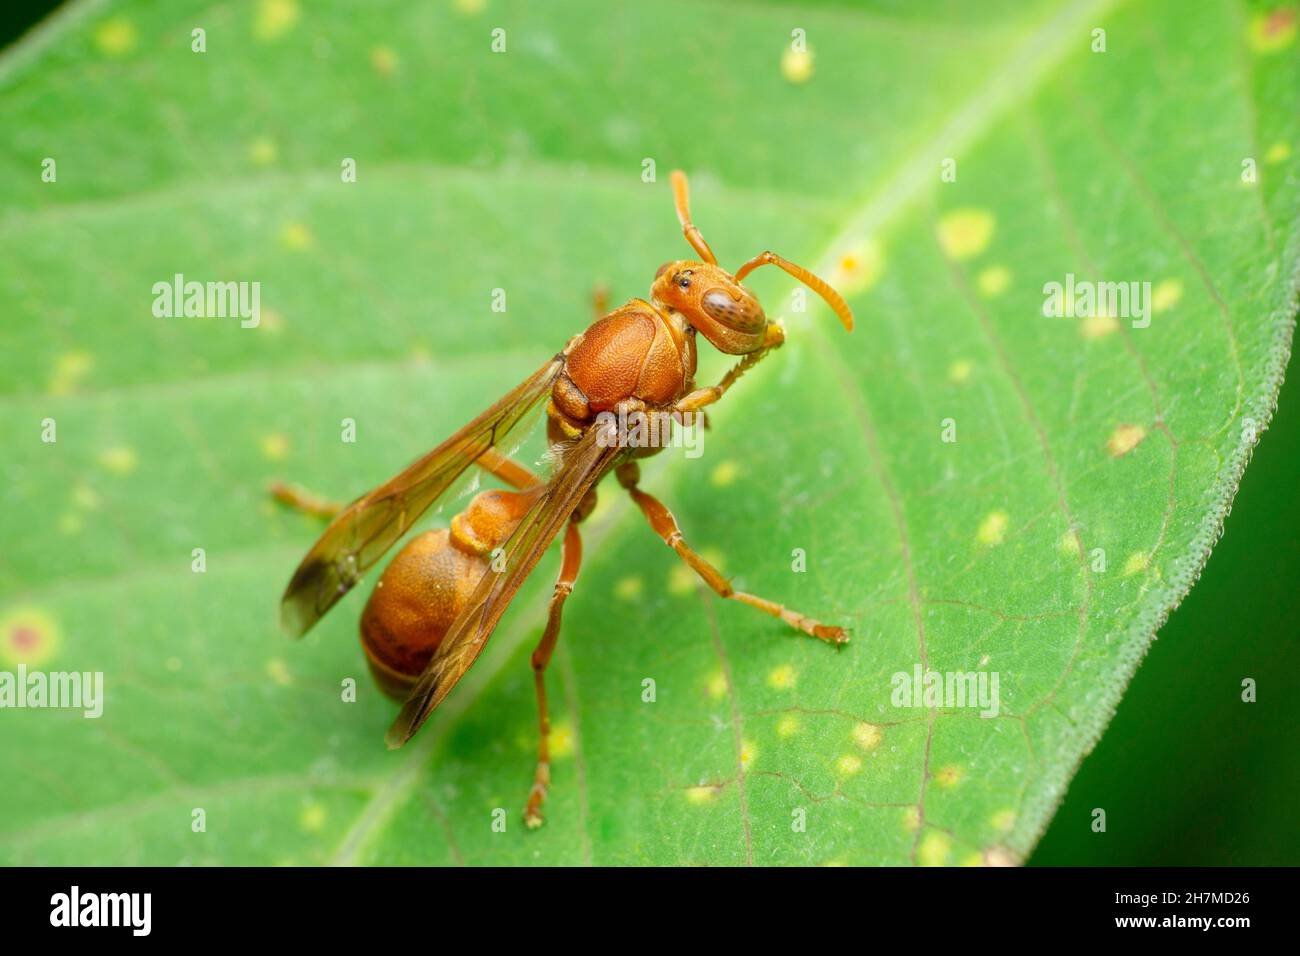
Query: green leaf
(1093,465)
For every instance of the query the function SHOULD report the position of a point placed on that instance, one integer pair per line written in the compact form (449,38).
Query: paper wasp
(441,596)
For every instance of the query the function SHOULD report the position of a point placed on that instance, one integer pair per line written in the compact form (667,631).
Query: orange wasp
(439,599)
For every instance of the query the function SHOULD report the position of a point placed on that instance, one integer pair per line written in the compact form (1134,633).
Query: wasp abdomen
(427,585)
(415,601)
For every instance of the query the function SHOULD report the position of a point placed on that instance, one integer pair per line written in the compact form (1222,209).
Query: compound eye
(683,282)
(743,314)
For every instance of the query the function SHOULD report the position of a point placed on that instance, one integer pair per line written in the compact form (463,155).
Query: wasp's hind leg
(570,562)
(308,502)
(300,499)
(665,525)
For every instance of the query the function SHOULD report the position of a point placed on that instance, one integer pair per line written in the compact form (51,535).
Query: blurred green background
(1186,772)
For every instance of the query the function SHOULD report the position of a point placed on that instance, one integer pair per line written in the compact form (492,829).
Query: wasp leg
(570,562)
(507,469)
(308,502)
(600,300)
(707,396)
(298,497)
(665,525)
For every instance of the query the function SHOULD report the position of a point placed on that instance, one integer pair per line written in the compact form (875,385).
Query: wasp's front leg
(698,399)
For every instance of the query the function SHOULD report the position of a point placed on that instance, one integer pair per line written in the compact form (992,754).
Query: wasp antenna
(682,199)
(832,298)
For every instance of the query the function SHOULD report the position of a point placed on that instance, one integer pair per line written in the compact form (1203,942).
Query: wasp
(438,601)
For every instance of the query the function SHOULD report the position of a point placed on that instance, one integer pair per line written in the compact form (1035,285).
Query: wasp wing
(582,464)
(360,534)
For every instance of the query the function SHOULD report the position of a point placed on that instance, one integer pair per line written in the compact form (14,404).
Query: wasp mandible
(439,599)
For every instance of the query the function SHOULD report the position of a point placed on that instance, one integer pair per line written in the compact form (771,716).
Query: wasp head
(711,301)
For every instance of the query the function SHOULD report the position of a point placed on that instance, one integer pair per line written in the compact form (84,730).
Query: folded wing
(363,531)
(582,464)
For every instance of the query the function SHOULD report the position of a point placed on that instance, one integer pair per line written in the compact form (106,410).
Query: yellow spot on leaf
(1003,820)
(797,65)
(972,859)
(278,671)
(787,726)
(1124,439)
(85,497)
(999,856)
(69,369)
(698,795)
(629,589)
(119,459)
(718,685)
(275,446)
(1166,295)
(271,321)
(725,473)
(993,529)
(312,818)
(470,6)
(274,19)
(682,580)
(1098,326)
(965,233)
(384,61)
(911,819)
(1136,563)
(848,765)
(781,678)
(993,281)
(748,754)
(28,635)
(296,236)
(70,522)
(859,268)
(1272,30)
(948,777)
(1277,153)
(1069,543)
(866,736)
(263,151)
(561,739)
(959,371)
(115,37)
(934,850)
